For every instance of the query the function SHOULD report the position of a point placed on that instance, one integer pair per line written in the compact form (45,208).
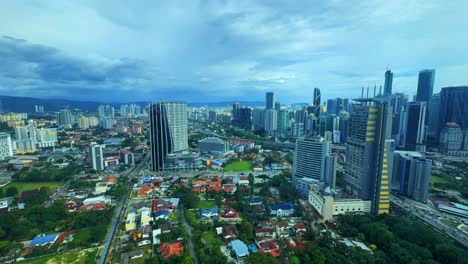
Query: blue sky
(203,51)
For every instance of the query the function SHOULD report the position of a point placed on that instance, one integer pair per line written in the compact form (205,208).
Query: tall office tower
(344,119)
(245,118)
(412,174)
(398,102)
(6,148)
(277,106)
(310,125)
(414,136)
(388,83)
(313,162)
(270,120)
(300,116)
(235,111)
(454,106)
(46,137)
(316,102)
(433,124)
(96,156)
(212,116)
(453,140)
(258,119)
(322,124)
(332,106)
(425,85)
(342,104)
(283,122)
(168,131)
(65,118)
(269,100)
(369,157)
(297,130)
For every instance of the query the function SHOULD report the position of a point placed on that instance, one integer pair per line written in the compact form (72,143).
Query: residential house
(240,249)
(168,250)
(300,228)
(161,214)
(257,210)
(211,213)
(270,246)
(265,232)
(282,210)
(229,232)
(145,215)
(295,244)
(282,228)
(130,223)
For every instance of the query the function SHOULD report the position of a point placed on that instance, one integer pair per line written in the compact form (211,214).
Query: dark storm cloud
(21,59)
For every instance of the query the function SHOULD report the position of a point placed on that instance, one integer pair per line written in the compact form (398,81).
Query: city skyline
(286,48)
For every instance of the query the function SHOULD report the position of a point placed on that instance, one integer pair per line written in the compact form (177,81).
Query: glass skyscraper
(269,100)
(454,106)
(425,85)
(168,131)
(388,82)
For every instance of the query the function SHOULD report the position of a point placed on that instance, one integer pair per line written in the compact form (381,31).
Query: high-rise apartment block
(65,118)
(96,156)
(6,147)
(313,163)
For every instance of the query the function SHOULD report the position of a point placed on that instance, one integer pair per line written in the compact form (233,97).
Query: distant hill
(27,104)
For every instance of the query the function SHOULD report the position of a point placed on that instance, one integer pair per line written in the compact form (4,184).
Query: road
(118,212)
(432,217)
(188,228)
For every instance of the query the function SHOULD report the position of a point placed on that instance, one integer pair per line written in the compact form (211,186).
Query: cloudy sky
(204,51)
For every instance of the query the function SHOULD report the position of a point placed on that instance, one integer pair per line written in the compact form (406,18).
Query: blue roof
(240,248)
(161,212)
(113,141)
(284,206)
(255,199)
(41,240)
(461,206)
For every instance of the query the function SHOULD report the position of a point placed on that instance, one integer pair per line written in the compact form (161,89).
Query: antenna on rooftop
(362,92)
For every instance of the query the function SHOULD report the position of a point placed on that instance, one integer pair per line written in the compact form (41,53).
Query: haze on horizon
(205,51)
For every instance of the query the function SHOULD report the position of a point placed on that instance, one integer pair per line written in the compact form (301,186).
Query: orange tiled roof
(169,250)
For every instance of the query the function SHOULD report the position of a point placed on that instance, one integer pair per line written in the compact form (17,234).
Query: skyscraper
(316,102)
(388,83)
(283,122)
(269,100)
(332,107)
(277,106)
(258,118)
(235,111)
(412,174)
(433,125)
(96,156)
(425,85)
(6,148)
(369,158)
(212,116)
(168,131)
(454,106)
(414,136)
(270,120)
(65,118)
(313,162)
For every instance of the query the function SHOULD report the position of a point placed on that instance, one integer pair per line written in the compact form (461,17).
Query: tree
(11,191)
(317,256)
(261,258)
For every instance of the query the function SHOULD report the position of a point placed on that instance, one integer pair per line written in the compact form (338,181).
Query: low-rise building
(281,210)
(327,206)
